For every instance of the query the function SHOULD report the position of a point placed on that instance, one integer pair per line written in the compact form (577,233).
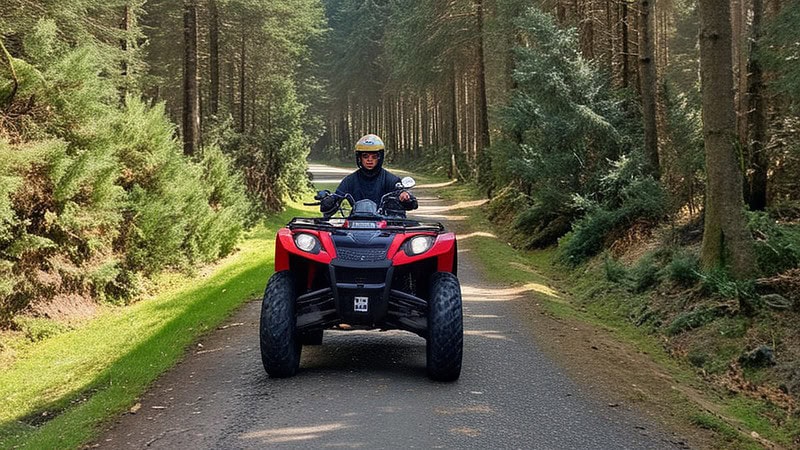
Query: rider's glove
(327,204)
(411,203)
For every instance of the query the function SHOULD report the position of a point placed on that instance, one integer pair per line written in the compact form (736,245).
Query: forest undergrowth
(740,337)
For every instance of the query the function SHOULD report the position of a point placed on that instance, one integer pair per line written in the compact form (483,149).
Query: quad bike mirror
(408,182)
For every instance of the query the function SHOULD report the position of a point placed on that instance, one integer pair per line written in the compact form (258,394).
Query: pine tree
(726,239)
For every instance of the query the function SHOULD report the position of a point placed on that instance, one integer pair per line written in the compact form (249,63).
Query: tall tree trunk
(757,118)
(124,46)
(418,127)
(191,98)
(625,45)
(462,116)
(739,47)
(482,156)
(726,240)
(647,68)
(453,122)
(435,122)
(231,86)
(213,48)
(561,12)
(608,51)
(243,62)
(586,28)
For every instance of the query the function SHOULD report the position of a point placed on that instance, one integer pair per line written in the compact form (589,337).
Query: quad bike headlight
(419,244)
(307,242)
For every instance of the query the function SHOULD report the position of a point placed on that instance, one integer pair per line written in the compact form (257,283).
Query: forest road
(369,389)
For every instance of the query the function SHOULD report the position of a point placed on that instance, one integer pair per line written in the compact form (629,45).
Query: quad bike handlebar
(390,204)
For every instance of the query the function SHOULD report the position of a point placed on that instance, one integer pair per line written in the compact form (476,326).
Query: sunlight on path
(439,212)
(293,434)
(464,237)
(479,294)
(437,185)
(488,334)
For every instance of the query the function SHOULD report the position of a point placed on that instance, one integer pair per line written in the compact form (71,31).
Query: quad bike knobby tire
(445,328)
(280,346)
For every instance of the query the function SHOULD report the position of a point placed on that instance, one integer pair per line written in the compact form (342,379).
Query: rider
(371,181)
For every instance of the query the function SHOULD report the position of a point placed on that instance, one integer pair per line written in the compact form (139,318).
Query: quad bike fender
(444,249)
(285,246)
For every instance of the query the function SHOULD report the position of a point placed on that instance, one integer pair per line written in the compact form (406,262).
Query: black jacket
(363,187)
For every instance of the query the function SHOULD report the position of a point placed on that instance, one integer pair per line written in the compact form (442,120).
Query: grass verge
(57,393)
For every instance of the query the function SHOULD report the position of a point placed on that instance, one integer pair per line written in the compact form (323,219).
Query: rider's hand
(327,203)
(404,196)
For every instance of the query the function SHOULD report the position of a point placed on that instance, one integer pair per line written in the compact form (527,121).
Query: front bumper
(362,294)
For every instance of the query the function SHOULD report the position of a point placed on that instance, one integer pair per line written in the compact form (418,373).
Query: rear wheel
(445,328)
(280,346)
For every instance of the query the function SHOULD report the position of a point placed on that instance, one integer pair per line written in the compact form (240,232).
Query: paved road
(369,389)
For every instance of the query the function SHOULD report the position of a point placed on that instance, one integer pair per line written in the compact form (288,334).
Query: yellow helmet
(369,143)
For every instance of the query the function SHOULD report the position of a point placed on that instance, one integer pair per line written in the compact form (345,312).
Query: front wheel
(445,328)
(280,346)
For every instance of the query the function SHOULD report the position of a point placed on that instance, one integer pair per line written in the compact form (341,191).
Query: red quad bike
(363,266)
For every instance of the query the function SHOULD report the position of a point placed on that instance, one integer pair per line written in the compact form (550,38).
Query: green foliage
(641,200)
(355,62)
(645,274)
(131,346)
(273,161)
(183,213)
(692,319)
(614,271)
(779,52)
(571,145)
(441,34)
(283,98)
(712,422)
(777,245)
(683,269)
(91,193)
(682,153)
(37,329)
(719,282)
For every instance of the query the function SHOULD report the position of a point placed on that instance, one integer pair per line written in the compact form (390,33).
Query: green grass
(56,393)
(727,433)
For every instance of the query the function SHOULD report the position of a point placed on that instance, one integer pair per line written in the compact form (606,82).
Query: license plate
(361,304)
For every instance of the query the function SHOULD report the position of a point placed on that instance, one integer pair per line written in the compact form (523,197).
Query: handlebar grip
(311,204)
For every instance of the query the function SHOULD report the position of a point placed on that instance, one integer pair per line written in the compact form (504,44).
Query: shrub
(613,270)
(38,329)
(588,235)
(92,194)
(562,130)
(692,319)
(639,200)
(777,246)
(645,274)
(683,269)
(719,282)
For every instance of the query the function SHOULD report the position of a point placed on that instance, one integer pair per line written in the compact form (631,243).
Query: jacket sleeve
(345,187)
